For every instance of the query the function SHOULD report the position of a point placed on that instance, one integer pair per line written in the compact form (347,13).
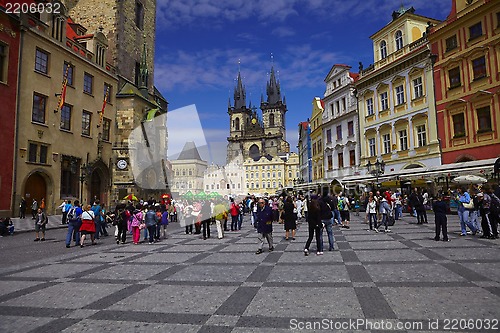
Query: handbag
(468,205)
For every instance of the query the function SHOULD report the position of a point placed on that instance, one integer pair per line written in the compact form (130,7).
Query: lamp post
(85,171)
(376,169)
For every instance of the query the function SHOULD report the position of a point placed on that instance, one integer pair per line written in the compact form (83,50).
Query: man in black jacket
(326,205)
(206,219)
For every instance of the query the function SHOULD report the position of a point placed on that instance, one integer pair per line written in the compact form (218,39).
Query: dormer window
(383,49)
(58,25)
(399,40)
(100,55)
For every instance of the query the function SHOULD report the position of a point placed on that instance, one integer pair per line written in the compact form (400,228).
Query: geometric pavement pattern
(186,284)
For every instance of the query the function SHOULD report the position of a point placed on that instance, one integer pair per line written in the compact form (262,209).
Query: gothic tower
(239,120)
(127,25)
(273,113)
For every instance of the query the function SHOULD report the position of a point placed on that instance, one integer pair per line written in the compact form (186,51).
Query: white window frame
(403,139)
(371,147)
(400,95)
(386,139)
(421,135)
(418,87)
(384,101)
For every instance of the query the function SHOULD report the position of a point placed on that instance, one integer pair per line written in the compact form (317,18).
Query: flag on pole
(62,96)
(103,106)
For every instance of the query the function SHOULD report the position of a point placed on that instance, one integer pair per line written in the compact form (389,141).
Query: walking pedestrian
(40,223)
(219,211)
(206,219)
(385,210)
(326,204)
(315,226)
(122,216)
(290,217)
(233,210)
(74,218)
(22,208)
(441,221)
(88,226)
(371,210)
(151,220)
(163,224)
(34,208)
(465,205)
(264,225)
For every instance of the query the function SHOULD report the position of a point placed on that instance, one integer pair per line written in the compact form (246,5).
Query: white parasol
(469,179)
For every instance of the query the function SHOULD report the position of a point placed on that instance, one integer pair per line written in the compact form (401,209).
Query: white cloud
(283,32)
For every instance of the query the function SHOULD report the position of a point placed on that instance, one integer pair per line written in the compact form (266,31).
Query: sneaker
(306,252)
(376,230)
(259,251)
(123,242)
(271,249)
(387,230)
(462,234)
(446,240)
(36,239)
(117,242)
(436,239)
(68,246)
(319,253)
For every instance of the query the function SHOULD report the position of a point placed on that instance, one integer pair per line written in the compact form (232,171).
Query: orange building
(466,48)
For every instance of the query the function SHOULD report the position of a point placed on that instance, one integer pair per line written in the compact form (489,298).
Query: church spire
(239,94)
(273,89)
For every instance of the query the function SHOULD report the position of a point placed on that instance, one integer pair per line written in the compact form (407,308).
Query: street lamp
(377,169)
(85,171)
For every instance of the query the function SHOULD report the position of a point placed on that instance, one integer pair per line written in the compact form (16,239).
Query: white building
(225,180)
(340,125)
(188,170)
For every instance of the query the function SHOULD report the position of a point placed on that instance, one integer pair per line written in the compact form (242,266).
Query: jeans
(73,228)
(234,222)
(319,243)
(384,221)
(206,228)
(240,221)
(336,216)
(372,216)
(151,229)
(473,217)
(146,233)
(329,224)
(463,215)
(398,212)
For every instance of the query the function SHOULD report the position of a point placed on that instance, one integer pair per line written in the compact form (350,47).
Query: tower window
(137,73)
(271,120)
(139,15)
(237,124)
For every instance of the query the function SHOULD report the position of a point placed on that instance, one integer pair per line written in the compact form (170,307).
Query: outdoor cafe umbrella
(200,195)
(469,179)
(214,195)
(131,197)
(188,195)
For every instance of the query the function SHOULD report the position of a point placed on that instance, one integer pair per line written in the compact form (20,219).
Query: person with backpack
(315,226)
(40,223)
(151,221)
(122,216)
(385,210)
(343,205)
(96,209)
(74,222)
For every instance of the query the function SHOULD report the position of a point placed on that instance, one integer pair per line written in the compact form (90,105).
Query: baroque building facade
(227,180)
(466,47)
(340,125)
(252,135)
(396,103)
(317,150)
(64,131)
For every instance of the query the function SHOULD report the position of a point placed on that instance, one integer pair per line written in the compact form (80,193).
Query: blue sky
(199,44)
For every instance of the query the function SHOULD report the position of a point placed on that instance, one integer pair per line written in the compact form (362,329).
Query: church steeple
(273,89)
(239,94)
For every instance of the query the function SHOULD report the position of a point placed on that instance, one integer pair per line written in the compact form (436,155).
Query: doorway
(35,188)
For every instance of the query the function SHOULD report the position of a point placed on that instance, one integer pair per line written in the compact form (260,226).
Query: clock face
(121,164)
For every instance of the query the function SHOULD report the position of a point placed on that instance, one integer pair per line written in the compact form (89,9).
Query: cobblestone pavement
(187,284)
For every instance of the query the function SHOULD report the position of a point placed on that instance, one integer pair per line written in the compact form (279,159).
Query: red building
(466,47)
(9,66)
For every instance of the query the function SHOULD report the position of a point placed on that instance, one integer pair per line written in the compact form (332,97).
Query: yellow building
(316,123)
(271,174)
(467,51)
(63,152)
(397,115)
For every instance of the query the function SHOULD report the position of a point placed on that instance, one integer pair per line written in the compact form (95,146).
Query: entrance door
(95,187)
(35,188)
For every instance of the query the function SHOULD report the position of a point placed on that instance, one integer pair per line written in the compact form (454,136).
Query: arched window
(399,40)
(383,49)
(237,124)
(271,120)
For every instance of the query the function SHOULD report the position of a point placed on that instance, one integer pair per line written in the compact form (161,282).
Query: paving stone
(402,255)
(411,272)
(66,295)
(297,273)
(22,324)
(139,272)
(418,303)
(7,287)
(89,325)
(282,302)
(174,299)
(54,271)
(217,272)
(165,258)
(232,258)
